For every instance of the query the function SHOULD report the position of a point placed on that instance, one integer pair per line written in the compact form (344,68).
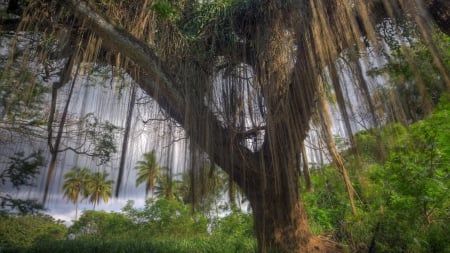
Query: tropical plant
(98,188)
(148,170)
(166,186)
(416,175)
(207,194)
(405,195)
(75,185)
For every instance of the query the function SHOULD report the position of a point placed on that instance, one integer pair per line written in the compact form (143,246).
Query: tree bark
(337,159)
(54,149)
(232,194)
(125,140)
(280,219)
(306,172)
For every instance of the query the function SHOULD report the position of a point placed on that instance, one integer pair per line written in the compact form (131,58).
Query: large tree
(241,77)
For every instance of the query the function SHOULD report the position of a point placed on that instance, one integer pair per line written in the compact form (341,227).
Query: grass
(210,245)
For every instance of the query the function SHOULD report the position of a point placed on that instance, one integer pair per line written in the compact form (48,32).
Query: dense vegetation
(403,206)
(403,201)
(161,226)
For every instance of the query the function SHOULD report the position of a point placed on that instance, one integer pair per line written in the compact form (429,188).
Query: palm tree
(98,187)
(202,187)
(74,184)
(148,170)
(166,185)
(169,187)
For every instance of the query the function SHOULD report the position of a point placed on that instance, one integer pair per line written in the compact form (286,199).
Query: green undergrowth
(160,226)
(213,245)
(403,202)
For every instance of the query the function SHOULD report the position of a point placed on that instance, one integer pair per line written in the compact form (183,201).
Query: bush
(235,225)
(149,245)
(22,231)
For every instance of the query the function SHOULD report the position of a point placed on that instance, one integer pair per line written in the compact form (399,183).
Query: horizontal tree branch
(155,79)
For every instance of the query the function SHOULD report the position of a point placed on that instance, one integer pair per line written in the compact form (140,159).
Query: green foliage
(80,181)
(22,169)
(98,187)
(161,226)
(327,205)
(102,137)
(204,194)
(404,203)
(148,171)
(412,71)
(21,96)
(21,172)
(199,245)
(415,187)
(236,224)
(166,186)
(208,16)
(75,183)
(167,217)
(24,231)
(166,9)
(373,142)
(101,225)
(416,173)
(23,206)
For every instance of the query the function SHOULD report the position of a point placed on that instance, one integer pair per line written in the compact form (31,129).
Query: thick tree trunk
(285,231)
(280,219)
